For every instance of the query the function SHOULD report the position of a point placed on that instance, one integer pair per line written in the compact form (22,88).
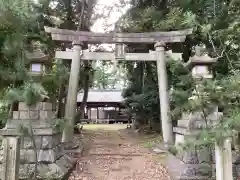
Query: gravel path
(117,155)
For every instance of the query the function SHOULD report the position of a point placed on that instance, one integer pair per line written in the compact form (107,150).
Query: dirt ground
(116,154)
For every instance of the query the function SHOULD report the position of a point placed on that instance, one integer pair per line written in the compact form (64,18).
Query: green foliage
(16,14)
(30,93)
(59,74)
(33,93)
(108,76)
(58,124)
(142,98)
(216,25)
(173,150)
(3,115)
(222,93)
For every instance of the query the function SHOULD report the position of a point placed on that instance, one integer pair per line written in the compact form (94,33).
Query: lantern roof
(200,58)
(37,55)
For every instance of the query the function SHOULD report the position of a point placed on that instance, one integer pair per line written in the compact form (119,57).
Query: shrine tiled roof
(102,96)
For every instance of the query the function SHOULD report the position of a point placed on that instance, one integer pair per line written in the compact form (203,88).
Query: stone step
(181,130)
(183,123)
(115,154)
(191,124)
(36,124)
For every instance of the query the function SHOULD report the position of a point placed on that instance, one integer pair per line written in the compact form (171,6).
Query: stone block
(190,157)
(189,172)
(27,156)
(204,170)
(24,107)
(24,115)
(180,130)
(28,144)
(38,141)
(36,124)
(46,115)
(48,142)
(65,163)
(45,131)
(49,155)
(16,115)
(183,123)
(34,115)
(58,138)
(56,171)
(204,155)
(43,171)
(25,170)
(46,106)
(36,107)
(31,114)
(48,171)
(179,139)
(59,149)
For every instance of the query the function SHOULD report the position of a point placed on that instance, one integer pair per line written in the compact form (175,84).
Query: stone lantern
(190,124)
(53,162)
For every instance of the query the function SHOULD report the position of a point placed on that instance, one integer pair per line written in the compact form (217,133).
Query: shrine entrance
(159,39)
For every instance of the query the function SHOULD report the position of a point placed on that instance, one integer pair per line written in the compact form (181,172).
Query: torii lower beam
(108,56)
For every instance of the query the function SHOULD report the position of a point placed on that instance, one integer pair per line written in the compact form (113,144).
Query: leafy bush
(3,115)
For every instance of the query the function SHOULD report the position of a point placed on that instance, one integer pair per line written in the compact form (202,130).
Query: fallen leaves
(122,159)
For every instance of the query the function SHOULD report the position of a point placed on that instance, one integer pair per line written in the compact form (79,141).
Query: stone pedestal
(196,162)
(52,162)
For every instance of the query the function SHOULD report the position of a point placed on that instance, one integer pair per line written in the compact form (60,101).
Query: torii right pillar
(166,123)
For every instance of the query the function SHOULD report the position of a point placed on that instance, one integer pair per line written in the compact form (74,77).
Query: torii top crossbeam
(95,38)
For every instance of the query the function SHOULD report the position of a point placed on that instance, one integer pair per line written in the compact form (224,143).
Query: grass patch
(148,141)
(173,150)
(109,127)
(159,157)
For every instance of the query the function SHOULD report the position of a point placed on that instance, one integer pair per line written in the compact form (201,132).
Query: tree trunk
(59,108)
(80,113)
(10,113)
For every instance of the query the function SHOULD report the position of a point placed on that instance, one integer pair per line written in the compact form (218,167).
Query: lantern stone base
(180,170)
(56,170)
(195,163)
(44,148)
(190,164)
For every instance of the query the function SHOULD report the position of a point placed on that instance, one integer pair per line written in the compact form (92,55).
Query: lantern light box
(38,62)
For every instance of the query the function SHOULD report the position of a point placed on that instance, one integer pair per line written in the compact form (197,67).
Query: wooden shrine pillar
(97,113)
(70,110)
(90,114)
(166,122)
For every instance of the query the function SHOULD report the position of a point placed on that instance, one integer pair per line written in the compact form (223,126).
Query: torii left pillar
(166,122)
(70,109)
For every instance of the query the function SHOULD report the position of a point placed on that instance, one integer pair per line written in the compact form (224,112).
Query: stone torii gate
(78,37)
